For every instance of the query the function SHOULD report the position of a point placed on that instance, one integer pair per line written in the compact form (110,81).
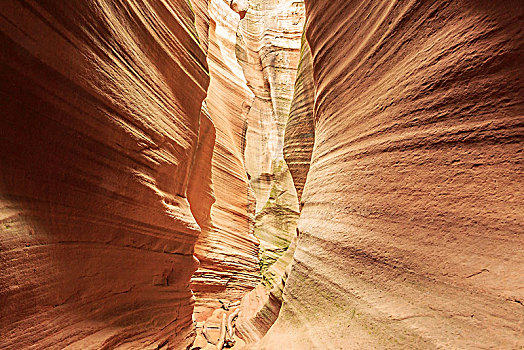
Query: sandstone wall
(300,126)
(403,137)
(411,229)
(252,68)
(227,249)
(100,124)
(268,49)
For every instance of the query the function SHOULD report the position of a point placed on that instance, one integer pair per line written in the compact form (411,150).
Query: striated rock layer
(268,49)
(300,126)
(403,137)
(411,230)
(100,129)
(252,68)
(227,249)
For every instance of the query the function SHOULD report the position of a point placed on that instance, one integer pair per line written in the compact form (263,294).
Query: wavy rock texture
(268,48)
(300,127)
(227,249)
(250,126)
(100,124)
(411,229)
(404,139)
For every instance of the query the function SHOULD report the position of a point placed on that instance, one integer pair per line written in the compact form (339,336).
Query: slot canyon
(261,174)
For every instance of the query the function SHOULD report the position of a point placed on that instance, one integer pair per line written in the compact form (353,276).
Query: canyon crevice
(262,174)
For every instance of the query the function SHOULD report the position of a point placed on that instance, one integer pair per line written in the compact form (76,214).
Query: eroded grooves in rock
(227,249)
(411,229)
(250,126)
(100,122)
(403,130)
(268,50)
(300,127)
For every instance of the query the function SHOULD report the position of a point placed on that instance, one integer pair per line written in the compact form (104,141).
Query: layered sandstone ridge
(152,148)
(227,248)
(101,137)
(411,227)
(268,48)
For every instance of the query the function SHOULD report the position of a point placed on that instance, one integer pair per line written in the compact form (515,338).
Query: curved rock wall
(250,126)
(411,229)
(227,249)
(100,124)
(268,49)
(300,126)
(407,120)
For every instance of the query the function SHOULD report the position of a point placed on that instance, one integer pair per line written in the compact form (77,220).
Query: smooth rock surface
(411,230)
(227,248)
(100,124)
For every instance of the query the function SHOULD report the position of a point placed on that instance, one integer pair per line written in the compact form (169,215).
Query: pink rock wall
(227,249)
(404,142)
(411,229)
(100,122)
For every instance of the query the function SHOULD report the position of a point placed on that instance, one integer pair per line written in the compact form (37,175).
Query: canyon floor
(261,174)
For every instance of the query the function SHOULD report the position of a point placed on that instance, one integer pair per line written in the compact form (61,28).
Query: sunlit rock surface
(300,126)
(100,124)
(227,249)
(124,158)
(249,100)
(268,49)
(411,230)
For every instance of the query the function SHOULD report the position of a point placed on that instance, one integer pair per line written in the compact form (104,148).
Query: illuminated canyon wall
(167,165)
(100,125)
(411,227)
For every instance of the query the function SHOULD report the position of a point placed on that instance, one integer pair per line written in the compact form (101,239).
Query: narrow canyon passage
(261,174)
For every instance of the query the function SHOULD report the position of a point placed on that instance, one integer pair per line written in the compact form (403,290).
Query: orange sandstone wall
(300,126)
(268,49)
(227,249)
(411,230)
(100,124)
